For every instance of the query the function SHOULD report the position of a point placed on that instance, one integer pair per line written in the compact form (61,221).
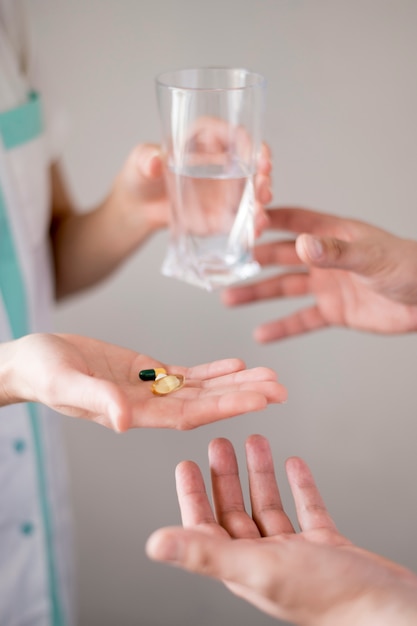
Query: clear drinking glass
(211,121)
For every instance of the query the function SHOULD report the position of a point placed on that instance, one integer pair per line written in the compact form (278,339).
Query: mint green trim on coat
(22,124)
(17,127)
(11,284)
(57,616)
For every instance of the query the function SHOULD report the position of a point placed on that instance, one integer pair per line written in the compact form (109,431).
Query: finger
(227,492)
(284,285)
(223,378)
(245,563)
(299,220)
(281,252)
(192,496)
(243,378)
(149,160)
(265,159)
(215,369)
(263,191)
(193,550)
(204,372)
(311,511)
(267,509)
(261,222)
(270,389)
(360,257)
(185,413)
(304,321)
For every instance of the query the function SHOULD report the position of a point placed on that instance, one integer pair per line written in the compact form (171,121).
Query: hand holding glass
(212,132)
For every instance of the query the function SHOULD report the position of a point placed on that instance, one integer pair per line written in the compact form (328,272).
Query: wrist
(8,376)
(376,607)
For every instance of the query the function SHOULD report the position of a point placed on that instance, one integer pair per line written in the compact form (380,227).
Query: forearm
(88,247)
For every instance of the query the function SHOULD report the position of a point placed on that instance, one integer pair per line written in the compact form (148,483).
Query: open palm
(85,377)
(315,576)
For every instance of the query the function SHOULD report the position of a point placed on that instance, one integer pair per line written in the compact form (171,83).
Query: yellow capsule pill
(167,384)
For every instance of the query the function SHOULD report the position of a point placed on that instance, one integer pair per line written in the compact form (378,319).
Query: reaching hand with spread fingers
(359,276)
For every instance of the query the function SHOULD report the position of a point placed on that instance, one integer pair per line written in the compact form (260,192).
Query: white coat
(35,532)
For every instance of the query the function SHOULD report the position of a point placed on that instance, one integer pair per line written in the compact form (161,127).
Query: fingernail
(145,162)
(313,247)
(167,548)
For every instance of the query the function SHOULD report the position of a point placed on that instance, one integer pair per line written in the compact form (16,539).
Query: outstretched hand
(360,276)
(315,576)
(84,377)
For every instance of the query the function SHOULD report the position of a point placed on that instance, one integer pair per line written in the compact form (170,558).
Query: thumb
(192,550)
(209,555)
(148,160)
(335,253)
(92,398)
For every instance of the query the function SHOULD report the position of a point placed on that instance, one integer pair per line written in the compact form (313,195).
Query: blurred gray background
(341,121)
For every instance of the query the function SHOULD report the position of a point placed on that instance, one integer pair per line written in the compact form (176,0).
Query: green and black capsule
(152,374)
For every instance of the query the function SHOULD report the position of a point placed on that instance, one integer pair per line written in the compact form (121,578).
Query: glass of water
(211,121)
